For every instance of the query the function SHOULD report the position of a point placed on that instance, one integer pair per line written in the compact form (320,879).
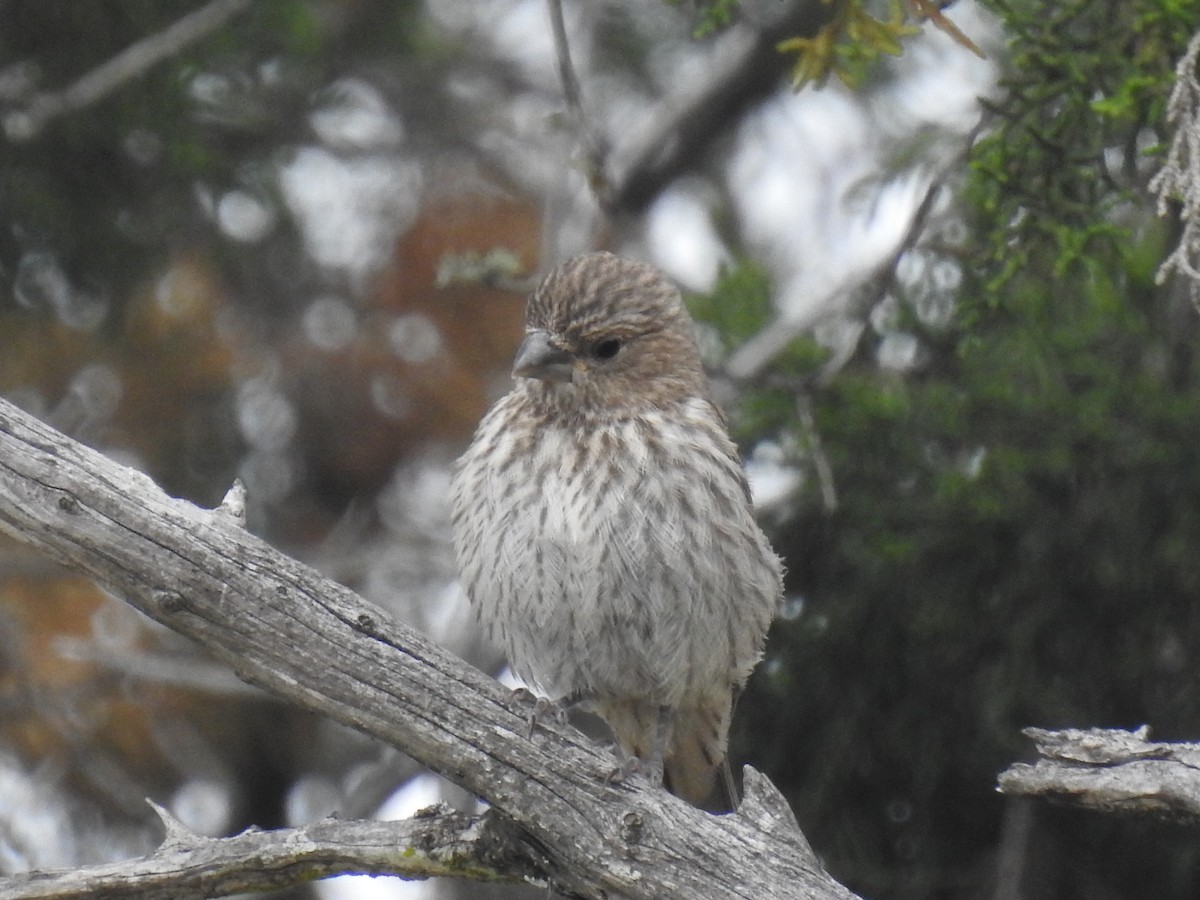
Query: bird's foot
(543,708)
(629,766)
(632,765)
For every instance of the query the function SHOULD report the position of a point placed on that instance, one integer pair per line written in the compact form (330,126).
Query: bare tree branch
(131,62)
(1110,770)
(283,627)
(594,148)
(436,842)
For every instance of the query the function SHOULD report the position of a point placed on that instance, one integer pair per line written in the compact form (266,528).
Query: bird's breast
(615,557)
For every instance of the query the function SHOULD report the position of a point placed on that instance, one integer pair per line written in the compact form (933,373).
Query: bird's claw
(523,695)
(543,707)
(632,765)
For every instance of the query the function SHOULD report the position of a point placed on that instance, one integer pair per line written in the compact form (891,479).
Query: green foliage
(1016,522)
(712,15)
(1063,154)
(294,27)
(738,308)
(739,305)
(849,44)
(1013,545)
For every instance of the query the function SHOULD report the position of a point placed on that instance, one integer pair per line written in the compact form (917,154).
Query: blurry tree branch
(25,124)
(193,674)
(437,841)
(284,628)
(869,286)
(1110,770)
(746,68)
(595,148)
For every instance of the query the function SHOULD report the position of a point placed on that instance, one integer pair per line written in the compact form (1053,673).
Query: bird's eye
(606,349)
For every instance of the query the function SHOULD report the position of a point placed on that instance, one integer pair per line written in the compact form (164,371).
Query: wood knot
(633,824)
(68,504)
(170,602)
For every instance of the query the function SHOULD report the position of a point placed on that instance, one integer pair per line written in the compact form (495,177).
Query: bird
(603,524)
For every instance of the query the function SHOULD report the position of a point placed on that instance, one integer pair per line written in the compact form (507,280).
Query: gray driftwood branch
(1110,770)
(284,628)
(437,841)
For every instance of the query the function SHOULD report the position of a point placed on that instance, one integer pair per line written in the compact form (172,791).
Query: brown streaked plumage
(603,524)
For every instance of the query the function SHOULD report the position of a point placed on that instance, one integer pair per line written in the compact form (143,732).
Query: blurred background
(288,241)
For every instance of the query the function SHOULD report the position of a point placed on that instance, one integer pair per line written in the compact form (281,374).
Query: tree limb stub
(286,629)
(1110,770)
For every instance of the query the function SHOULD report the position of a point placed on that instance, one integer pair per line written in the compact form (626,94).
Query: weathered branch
(286,629)
(437,841)
(1110,770)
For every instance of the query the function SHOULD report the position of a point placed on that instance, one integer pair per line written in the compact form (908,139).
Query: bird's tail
(696,756)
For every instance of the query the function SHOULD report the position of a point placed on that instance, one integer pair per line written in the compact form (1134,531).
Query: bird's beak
(538,357)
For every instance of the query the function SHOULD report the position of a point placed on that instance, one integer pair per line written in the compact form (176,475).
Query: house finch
(603,523)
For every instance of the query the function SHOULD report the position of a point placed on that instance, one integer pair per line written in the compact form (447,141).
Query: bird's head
(606,334)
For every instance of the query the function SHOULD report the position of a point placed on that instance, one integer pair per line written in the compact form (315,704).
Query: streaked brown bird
(603,522)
